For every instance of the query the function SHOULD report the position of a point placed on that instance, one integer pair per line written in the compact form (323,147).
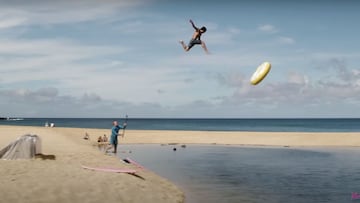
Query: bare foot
(183,44)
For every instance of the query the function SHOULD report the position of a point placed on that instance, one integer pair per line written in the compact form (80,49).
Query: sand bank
(232,138)
(63,179)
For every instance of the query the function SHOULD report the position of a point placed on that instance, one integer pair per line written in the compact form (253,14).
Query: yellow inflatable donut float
(260,73)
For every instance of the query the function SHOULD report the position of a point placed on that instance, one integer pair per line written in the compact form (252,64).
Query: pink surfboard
(134,163)
(113,170)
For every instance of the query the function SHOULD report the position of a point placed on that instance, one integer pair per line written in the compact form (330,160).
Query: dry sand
(63,179)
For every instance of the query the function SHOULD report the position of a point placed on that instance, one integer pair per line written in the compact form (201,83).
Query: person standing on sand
(114,134)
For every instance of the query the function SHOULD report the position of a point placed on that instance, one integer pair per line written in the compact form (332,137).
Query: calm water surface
(249,174)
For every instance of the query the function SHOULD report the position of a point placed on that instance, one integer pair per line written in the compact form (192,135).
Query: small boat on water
(11,119)
(15,119)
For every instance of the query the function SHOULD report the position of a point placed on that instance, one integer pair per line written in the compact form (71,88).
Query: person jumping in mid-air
(195,39)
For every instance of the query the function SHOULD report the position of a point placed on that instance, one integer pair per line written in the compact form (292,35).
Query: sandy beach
(63,179)
(243,138)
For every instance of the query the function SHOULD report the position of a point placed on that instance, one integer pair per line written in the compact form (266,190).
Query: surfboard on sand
(108,169)
(128,160)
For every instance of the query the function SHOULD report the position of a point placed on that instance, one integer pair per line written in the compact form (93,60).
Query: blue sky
(111,58)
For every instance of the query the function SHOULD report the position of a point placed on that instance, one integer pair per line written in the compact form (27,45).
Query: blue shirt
(114,134)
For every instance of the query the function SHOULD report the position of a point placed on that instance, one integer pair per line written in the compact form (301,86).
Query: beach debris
(45,156)
(130,161)
(86,137)
(183,146)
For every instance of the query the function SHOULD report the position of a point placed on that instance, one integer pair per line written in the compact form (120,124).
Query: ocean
(260,125)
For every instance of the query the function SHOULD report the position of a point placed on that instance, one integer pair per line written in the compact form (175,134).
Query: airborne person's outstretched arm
(193,25)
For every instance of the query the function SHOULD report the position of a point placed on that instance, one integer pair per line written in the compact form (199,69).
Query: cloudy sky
(110,58)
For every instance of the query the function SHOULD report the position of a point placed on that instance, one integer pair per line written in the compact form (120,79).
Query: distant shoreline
(210,124)
(219,137)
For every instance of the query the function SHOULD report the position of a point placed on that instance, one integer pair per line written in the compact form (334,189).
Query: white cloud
(55,47)
(153,76)
(219,38)
(297,90)
(234,30)
(336,68)
(267,28)
(53,12)
(286,40)
(234,79)
(288,98)
(11,22)
(117,63)
(297,78)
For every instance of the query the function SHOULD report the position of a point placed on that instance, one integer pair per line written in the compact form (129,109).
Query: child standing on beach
(195,38)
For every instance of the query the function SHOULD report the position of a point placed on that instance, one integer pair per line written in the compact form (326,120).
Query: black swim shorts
(193,42)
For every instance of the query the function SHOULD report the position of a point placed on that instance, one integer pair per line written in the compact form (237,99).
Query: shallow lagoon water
(216,173)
